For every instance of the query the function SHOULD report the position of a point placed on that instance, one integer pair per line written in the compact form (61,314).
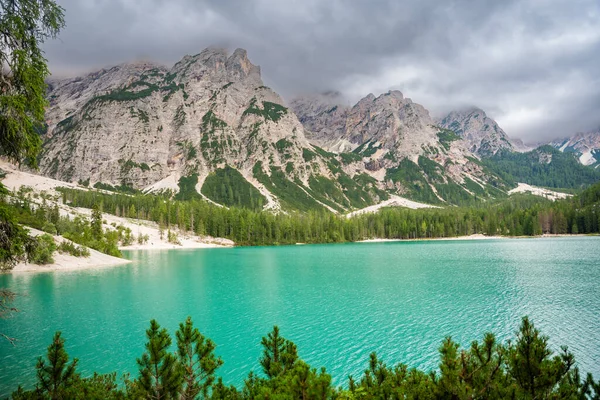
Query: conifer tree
(56,377)
(96,223)
(197,358)
(279,354)
(160,372)
(532,366)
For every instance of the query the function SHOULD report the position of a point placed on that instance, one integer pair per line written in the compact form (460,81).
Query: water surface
(338,303)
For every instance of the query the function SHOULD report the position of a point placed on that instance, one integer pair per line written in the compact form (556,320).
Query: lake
(337,302)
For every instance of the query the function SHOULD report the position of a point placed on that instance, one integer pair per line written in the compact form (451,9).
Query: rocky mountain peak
(209,127)
(240,66)
(586,145)
(395,94)
(216,64)
(481,133)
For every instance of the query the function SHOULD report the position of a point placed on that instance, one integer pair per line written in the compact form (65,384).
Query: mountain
(482,134)
(205,127)
(323,115)
(586,146)
(396,140)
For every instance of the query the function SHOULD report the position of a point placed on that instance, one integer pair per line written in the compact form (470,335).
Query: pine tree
(279,354)
(160,372)
(449,385)
(96,223)
(531,366)
(197,358)
(57,377)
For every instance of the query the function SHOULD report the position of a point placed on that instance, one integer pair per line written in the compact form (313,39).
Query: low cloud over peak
(532,65)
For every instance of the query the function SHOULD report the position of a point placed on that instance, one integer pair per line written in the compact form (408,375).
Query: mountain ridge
(208,127)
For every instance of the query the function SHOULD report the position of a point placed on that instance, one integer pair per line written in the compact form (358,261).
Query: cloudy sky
(533,65)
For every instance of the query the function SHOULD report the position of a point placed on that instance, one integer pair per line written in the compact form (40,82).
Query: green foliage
(188,149)
(563,171)
(90,233)
(187,188)
(160,372)
(142,239)
(328,192)
(180,117)
(453,193)
(128,165)
(212,145)
(366,149)
(125,95)
(96,223)
(141,114)
(323,153)
(122,188)
(289,193)
(282,145)
(367,182)
(228,187)
(24,26)
(308,155)
(13,238)
(279,354)
(198,361)
(446,137)
(57,379)
(42,249)
(525,369)
(173,238)
(412,179)
(67,124)
(210,122)
(270,111)
(531,366)
(349,158)
(519,215)
(49,227)
(68,247)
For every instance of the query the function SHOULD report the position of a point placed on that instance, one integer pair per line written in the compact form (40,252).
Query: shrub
(50,228)
(173,238)
(42,248)
(125,236)
(68,247)
(142,239)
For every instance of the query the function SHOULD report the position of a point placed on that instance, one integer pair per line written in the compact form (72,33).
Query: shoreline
(476,237)
(186,245)
(97,260)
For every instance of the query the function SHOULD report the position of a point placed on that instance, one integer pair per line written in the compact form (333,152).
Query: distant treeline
(519,215)
(525,368)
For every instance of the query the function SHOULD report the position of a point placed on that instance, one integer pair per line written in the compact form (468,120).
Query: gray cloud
(531,64)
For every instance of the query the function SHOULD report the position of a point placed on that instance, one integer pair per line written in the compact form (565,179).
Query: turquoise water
(338,303)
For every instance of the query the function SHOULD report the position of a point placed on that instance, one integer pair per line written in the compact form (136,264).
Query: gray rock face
(585,145)
(481,133)
(146,126)
(393,122)
(322,115)
(385,131)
